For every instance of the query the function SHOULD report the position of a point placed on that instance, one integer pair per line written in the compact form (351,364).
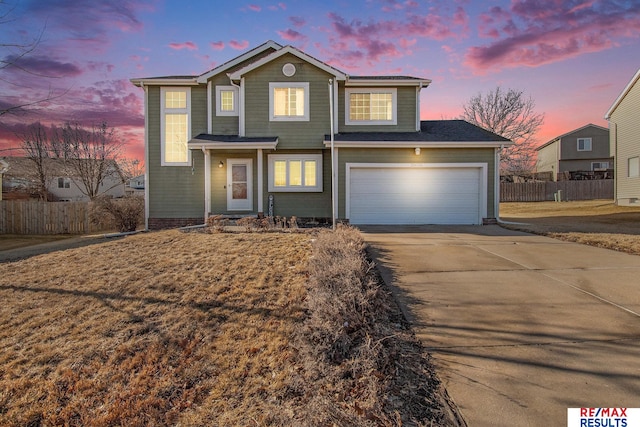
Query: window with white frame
(371,106)
(226,101)
(289,101)
(64,183)
(584,144)
(175,126)
(599,166)
(634,167)
(295,172)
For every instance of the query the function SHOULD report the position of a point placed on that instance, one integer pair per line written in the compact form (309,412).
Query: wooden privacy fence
(36,217)
(546,191)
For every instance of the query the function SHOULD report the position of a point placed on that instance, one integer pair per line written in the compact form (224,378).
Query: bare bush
(217,223)
(124,214)
(365,366)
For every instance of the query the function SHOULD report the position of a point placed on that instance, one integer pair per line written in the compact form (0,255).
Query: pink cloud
(292,35)
(297,21)
(283,6)
(217,45)
(239,45)
(254,7)
(41,66)
(533,33)
(185,45)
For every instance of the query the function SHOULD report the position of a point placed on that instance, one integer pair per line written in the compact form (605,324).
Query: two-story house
(624,122)
(585,149)
(277,132)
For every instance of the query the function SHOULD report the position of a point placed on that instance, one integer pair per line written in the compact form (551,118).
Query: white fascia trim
(387,83)
(200,144)
(164,82)
(292,50)
(232,63)
(415,144)
(624,93)
(484,168)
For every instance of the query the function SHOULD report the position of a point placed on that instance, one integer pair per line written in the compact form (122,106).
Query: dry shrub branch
(365,365)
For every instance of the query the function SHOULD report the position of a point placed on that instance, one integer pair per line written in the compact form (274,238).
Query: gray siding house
(624,123)
(582,149)
(275,131)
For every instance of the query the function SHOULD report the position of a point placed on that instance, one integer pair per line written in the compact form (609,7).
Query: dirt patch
(173,328)
(594,222)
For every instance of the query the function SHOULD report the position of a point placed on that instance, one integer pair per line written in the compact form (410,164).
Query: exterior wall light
(417,150)
(220,165)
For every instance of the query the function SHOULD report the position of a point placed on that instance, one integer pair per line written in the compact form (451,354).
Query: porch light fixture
(220,165)
(417,151)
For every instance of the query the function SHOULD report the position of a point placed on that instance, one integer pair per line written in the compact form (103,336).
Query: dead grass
(194,329)
(594,222)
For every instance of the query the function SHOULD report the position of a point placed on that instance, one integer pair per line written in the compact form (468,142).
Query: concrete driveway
(521,327)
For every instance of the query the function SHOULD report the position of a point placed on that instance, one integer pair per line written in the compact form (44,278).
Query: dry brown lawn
(174,328)
(593,222)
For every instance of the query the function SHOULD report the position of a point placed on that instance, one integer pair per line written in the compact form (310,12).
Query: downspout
(496,185)
(146,155)
(333,172)
(207,182)
(418,89)
(209,108)
(240,104)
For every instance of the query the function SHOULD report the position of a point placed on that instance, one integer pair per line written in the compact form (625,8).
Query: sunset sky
(572,57)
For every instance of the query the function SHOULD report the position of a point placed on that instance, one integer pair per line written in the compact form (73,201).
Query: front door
(239,185)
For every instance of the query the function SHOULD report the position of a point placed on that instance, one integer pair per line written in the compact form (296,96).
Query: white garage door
(415,195)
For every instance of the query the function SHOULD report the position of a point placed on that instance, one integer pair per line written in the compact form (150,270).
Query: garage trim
(483,167)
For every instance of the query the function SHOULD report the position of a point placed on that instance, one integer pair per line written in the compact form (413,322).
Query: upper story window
(295,172)
(288,101)
(64,183)
(226,101)
(584,144)
(371,106)
(175,126)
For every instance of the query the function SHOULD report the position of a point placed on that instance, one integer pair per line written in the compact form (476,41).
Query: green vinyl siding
(406,112)
(625,140)
(407,155)
(291,134)
(174,191)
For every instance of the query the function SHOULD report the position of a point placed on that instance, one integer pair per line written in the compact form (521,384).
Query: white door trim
(240,204)
(483,178)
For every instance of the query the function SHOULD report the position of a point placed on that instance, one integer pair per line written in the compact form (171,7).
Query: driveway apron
(521,327)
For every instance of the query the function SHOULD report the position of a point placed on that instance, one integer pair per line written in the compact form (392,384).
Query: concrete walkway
(521,327)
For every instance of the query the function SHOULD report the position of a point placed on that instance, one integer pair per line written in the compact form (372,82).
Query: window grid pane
(175,138)
(295,173)
(280,173)
(175,99)
(370,106)
(288,101)
(310,173)
(226,100)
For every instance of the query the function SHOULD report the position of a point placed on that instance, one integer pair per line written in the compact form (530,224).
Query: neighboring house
(582,150)
(253,136)
(135,186)
(21,178)
(624,123)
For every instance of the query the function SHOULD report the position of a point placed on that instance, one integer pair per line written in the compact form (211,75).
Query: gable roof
(546,144)
(385,80)
(339,75)
(433,133)
(624,93)
(270,44)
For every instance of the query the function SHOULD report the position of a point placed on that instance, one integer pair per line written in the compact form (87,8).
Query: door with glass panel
(239,185)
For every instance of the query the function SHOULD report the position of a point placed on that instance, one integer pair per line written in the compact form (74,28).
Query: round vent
(289,69)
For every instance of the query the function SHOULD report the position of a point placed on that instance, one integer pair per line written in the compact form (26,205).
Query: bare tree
(131,167)
(37,145)
(511,115)
(13,53)
(91,155)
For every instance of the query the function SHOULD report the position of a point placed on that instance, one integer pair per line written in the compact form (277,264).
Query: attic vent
(289,69)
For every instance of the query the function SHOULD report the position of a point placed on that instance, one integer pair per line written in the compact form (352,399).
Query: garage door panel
(421,195)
